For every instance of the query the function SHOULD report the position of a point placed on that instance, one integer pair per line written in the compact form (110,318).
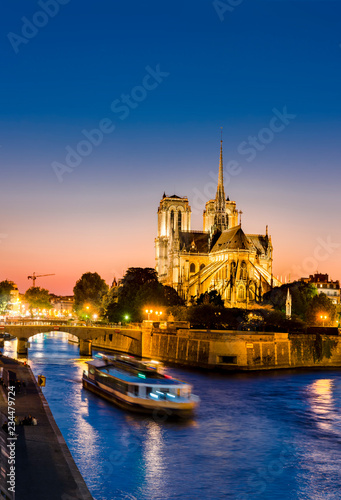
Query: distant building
(15,303)
(62,305)
(326,286)
(221,257)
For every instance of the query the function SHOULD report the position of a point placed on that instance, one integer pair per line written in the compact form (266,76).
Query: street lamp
(323,318)
(149,312)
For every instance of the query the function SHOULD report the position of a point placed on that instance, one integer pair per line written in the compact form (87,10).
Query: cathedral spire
(220,195)
(221,175)
(220,219)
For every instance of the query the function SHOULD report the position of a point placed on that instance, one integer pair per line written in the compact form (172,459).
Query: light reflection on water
(255,436)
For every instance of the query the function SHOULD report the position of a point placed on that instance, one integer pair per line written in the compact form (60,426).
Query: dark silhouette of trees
(37,298)
(88,293)
(140,289)
(6,287)
(212,297)
(301,293)
(321,305)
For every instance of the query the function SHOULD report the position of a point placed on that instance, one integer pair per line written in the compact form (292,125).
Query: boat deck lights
(155,396)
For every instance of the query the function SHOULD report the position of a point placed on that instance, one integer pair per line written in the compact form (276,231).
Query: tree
(172,297)
(179,313)
(109,300)
(5,295)
(37,298)
(134,279)
(319,306)
(140,288)
(212,297)
(205,316)
(88,294)
(301,293)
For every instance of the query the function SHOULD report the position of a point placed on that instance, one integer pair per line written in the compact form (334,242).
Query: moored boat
(139,385)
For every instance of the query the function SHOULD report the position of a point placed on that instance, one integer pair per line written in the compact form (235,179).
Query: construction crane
(35,276)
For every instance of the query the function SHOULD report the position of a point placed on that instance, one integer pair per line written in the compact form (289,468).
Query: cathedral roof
(232,239)
(260,241)
(194,241)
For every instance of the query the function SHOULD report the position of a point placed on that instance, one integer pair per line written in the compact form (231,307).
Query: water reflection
(153,454)
(254,436)
(322,404)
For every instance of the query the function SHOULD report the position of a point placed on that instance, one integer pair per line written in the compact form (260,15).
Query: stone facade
(221,257)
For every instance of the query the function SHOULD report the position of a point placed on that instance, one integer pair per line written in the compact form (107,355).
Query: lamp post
(149,312)
(323,318)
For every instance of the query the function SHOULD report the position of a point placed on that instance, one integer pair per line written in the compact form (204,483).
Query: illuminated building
(324,285)
(221,257)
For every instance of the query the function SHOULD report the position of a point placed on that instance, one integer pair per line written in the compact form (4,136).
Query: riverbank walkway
(44,468)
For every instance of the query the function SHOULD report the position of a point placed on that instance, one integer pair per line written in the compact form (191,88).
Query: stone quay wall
(231,350)
(226,350)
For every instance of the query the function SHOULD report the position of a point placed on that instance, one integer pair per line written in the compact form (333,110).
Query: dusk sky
(160,79)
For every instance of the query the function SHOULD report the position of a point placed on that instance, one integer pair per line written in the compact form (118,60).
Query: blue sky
(229,73)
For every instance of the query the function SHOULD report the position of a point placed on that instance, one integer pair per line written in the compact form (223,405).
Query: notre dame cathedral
(221,257)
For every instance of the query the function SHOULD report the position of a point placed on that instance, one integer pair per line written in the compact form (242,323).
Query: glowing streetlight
(323,318)
(94,317)
(149,312)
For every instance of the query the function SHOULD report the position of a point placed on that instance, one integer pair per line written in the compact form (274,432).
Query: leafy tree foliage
(179,313)
(321,305)
(134,279)
(139,289)
(212,297)
(89,292)
(260,319)
(5,295)
(301,293)
(205,316)
(172,297)
(37,298)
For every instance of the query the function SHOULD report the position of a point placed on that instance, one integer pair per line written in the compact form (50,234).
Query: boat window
(111,382)
(162,393)
(92,370)
(149,390)
(134,389)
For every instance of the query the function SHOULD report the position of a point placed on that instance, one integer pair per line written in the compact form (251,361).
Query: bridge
(85,334)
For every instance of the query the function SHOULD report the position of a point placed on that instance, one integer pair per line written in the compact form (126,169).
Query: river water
(255,436)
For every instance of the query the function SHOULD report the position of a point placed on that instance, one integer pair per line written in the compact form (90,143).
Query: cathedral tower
(220,214)
(174,215)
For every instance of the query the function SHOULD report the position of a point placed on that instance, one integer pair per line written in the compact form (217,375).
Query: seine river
(255,436)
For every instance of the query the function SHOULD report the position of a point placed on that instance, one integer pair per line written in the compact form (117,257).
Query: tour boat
(139,385)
